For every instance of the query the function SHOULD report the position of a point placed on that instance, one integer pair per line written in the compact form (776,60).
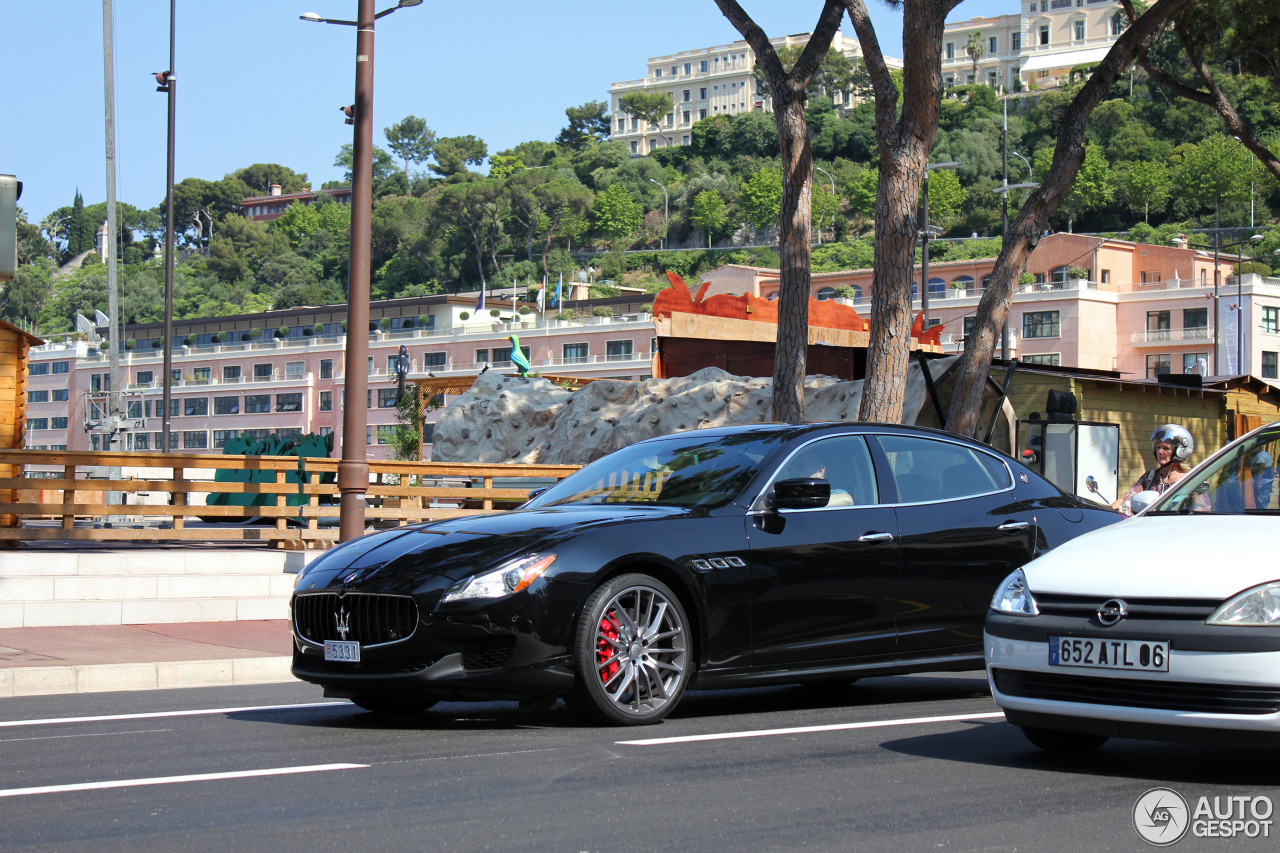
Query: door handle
(876,537)
(1013,526)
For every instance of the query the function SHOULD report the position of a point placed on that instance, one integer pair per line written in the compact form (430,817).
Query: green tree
(709,213)
(761,198)
(975,50)
(648,107)
(411,140)
(241,246)
(946,197)
(383,164)
(1094,186)
(1145,184)
(259,178)
(300,221)
(25,296)
(862,193)
(617,215)
(453,153)
(1215,171)
(588,122)
(79,229)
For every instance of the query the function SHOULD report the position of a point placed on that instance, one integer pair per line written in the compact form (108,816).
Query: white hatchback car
(1165,626)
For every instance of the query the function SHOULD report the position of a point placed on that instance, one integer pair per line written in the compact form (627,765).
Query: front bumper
(1203,696)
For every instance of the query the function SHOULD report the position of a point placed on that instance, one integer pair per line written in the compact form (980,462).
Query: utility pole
(113,417)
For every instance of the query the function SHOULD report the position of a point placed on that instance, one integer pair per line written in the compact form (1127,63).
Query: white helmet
(1178,438)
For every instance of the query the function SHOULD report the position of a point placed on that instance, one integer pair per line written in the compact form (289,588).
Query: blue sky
(256,84)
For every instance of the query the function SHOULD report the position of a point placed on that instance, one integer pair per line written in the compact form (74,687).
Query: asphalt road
(907,763)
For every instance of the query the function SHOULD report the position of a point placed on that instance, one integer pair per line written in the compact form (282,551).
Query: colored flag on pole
(542,296)
(480,300)
(559,287)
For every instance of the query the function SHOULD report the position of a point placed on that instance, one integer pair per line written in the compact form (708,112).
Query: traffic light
(10,192)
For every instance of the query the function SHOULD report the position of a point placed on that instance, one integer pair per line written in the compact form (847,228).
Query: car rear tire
(381,705)
(632,651)
(1053,740)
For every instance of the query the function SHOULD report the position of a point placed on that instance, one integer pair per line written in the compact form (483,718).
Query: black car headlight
(1013,598)
(510,577)
(1259,606)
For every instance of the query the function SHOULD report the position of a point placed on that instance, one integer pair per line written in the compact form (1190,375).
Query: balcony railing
(1195,334)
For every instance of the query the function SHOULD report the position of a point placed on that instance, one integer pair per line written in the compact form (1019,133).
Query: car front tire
(1063,743)
(632,651)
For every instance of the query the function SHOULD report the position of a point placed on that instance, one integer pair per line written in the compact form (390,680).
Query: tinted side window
(928,470)
(843,461)
(998,470)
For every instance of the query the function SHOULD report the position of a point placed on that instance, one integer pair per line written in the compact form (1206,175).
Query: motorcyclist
(1171,445)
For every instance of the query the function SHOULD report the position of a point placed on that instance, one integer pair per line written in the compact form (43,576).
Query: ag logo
(1160,816)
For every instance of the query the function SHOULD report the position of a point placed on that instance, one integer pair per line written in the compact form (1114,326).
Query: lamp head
(311,16)
(405,4)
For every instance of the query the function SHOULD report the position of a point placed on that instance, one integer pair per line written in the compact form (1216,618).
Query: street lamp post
(168,84)
(924,236)
(833,195)
(664,213)
(353,467)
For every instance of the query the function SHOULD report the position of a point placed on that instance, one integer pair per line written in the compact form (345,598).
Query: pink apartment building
(228,381)
(1141,310)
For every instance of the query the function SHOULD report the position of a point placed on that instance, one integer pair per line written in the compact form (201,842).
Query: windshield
(684,471)
(1239,481)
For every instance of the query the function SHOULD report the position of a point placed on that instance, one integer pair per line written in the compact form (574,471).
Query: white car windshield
(1241,480)
(687,471)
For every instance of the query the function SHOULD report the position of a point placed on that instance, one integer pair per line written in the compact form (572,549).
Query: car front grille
(1191,609)
(315,663)
(1138,693)
(487,654)
(368,619)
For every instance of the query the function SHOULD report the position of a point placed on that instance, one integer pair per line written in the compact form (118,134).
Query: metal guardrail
(400,493)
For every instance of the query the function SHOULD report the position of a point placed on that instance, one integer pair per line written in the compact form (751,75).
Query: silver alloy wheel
(641,653)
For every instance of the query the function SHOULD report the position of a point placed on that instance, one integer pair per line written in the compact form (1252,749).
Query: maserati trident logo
(1112,611)
(342,621)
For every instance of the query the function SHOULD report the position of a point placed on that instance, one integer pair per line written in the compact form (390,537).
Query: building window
(502,355)
(140,440)
(671,119)
(174,403)
(326,430)
(59,423)
(1157,365)
(144,377)
(575,353)
(657,72)
(387,398)
(482,356)
(635,148)
(1195,318)
(622,125)
(991,44)
(617,350)
(949,50)
(257,404)
(1105,278)
(38,369)
(195,439)
(702,94)
(435,359)
(261,372)
(1079,30)
(635,124)
(702,66)
(202,374)
(60,395)
(226,405)
(1195,362)
(1051,359)
(288,402)
(702,114)
(158,440)
(61,367)
(1117,24)
(37,423)
(326,401)
(688,68)
(1040,324)
(175,374)
(231,373)
(1158,321)
(1015,42)
(687,95)
(293,370)
(1270,319)
(1269,365)
(326,368)
(194,407)
(1044,34)
(385,432)
(222,436)
(37,396)
(1151,277)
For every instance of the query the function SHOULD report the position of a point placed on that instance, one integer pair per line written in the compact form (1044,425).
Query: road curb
(164,675)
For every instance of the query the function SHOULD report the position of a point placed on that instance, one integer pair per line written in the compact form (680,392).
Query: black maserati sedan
(707,559)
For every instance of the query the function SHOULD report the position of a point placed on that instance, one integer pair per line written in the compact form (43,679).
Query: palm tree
(976,50)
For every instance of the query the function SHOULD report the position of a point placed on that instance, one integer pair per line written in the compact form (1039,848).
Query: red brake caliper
(604,651)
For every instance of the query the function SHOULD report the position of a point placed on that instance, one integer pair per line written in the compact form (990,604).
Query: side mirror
(1142,500)
(533,493)
(800,494)
(1091,483)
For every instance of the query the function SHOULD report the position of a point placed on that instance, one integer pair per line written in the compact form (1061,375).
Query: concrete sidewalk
(101,658)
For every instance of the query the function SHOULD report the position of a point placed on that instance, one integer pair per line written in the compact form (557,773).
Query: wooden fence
(75,505)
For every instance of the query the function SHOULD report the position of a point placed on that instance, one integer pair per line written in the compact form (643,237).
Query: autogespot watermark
(1163,817)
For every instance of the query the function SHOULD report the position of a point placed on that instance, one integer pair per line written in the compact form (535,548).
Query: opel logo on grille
(1112,611)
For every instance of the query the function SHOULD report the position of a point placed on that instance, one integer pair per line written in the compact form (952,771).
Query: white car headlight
(506,579)
(1013,598)
(1257,606)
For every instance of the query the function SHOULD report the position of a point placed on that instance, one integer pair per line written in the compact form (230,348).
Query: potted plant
(282,332)
(130,344)
(157,343)
(524,310)
(602,313)
(255,333)
(219,337)
(385,323)
(317,329)
(244,336)
(424,321)
(464,316)
(190,340)
(495,313)
(1078,274)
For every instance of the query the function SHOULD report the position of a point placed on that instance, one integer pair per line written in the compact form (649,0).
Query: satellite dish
(101,319)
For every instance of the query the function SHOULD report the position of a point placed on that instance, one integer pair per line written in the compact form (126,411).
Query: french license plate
(1140,655)
(340,650)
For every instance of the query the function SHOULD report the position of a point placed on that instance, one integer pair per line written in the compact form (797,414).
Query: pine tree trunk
(791,351)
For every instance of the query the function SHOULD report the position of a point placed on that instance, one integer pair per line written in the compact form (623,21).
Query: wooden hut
(14,347)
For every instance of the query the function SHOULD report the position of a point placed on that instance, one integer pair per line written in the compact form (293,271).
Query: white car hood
(1180,556)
